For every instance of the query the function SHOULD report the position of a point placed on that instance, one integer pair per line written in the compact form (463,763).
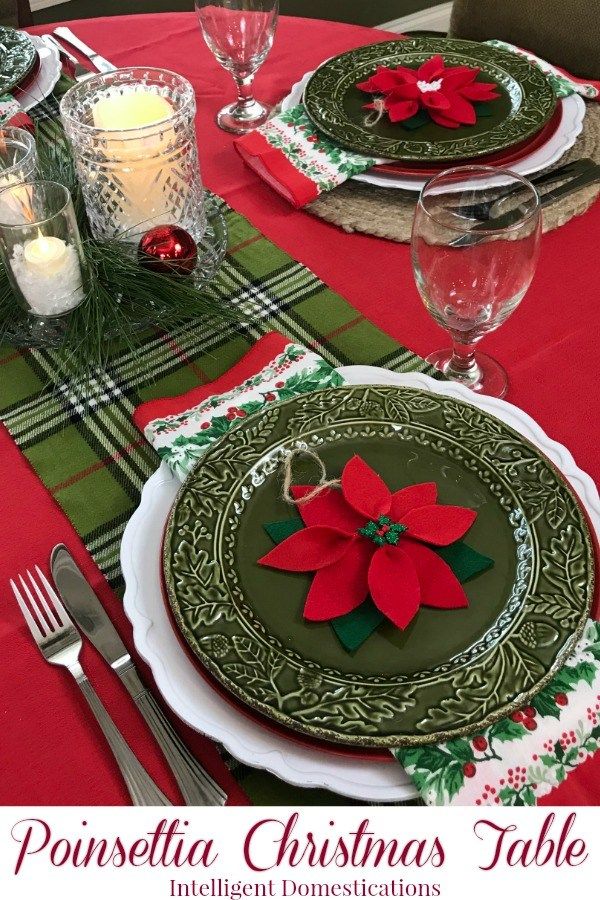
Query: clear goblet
(475,246)
(240,34)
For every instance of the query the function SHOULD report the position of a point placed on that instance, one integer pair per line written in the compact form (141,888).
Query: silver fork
(483,208)
(60,644)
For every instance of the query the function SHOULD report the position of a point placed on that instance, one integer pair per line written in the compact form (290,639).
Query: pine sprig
(122,298)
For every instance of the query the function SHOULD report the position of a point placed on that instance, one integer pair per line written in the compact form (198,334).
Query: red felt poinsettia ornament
(447,93)
(364,539)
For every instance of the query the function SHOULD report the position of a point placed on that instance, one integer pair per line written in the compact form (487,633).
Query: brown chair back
(16,13)
(565,32)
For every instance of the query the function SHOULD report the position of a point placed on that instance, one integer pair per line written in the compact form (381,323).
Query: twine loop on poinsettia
(378,110)
(288,477)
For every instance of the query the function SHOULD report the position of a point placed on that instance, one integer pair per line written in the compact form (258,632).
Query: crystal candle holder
(40,247)
(134,143)
(18,156)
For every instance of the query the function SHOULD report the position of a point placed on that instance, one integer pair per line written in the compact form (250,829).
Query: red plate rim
(28,79)
(501,158)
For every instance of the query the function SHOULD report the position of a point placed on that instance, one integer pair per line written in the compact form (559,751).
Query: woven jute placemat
(388,213)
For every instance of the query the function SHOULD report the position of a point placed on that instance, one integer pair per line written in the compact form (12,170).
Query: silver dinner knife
(196,785)
(102,64)
(478,232)
(79,70)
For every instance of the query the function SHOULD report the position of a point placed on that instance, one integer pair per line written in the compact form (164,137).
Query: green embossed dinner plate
(450,671)
(17,57)
(335,104)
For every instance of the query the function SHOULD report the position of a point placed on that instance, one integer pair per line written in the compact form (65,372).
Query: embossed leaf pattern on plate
(17,57)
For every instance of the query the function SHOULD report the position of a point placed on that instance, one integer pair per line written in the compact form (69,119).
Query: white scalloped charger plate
(200,705)
(545,156)
(46,78)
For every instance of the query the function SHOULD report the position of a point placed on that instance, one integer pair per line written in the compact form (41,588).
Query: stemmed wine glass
(475,246)
(240,34)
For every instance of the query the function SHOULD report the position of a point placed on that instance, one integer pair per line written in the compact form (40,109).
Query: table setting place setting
(360,578)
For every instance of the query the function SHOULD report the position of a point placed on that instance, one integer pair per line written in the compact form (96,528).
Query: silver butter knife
(102,64)
(196,785)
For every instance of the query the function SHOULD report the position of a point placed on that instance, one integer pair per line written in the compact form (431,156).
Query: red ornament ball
(168,250)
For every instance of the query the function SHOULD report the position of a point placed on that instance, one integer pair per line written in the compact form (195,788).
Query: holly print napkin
(519,759)
(296,159)
(9,107)
(182,428)
(563,83)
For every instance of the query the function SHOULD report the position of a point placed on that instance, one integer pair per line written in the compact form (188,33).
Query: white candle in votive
(48,273)
(45,254)
(141,172)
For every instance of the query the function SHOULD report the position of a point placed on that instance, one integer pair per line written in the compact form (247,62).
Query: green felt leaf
(463,560)
(355,627)
(482,110)
(279,531)
(417,121)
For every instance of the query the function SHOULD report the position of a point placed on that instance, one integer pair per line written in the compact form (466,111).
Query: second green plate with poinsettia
(451,670)
(336,106)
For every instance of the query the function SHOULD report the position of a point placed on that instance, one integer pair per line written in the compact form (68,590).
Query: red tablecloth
(49,754)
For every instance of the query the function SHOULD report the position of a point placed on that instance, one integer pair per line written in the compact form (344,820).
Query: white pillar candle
(137,109)
(142,173)
(48,273)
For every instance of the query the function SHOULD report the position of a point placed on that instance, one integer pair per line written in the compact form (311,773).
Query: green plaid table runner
(92,458)
(86,449)
(82,443)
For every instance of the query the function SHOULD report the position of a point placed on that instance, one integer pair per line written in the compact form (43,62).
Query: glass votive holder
(41,248)
(18,156)
(134,143)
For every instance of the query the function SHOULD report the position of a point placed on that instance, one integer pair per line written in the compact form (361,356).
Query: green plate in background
(335,104)
(449,671)
(17,57)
